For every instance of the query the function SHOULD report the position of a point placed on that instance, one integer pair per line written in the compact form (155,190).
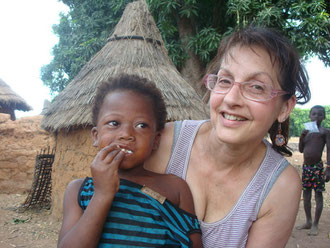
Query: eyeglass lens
(253,90)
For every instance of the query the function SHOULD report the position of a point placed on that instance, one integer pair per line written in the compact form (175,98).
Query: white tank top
(232,230)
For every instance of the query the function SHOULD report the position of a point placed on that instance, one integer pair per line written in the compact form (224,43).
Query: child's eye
(142,125)
(113,123)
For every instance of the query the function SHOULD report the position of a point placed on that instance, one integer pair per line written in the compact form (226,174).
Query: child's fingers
(112,155)
(105,151)
(117,159)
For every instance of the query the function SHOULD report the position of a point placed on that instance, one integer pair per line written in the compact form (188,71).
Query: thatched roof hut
(135,47)
(10,101)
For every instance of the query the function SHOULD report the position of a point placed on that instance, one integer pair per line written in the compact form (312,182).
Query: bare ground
(38,230)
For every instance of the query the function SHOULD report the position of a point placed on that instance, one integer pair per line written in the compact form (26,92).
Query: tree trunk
(193,69)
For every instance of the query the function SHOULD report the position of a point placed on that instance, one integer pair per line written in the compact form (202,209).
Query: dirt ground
(38,230)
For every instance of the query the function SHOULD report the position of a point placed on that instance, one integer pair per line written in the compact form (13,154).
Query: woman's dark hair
(292,75)
(135,84)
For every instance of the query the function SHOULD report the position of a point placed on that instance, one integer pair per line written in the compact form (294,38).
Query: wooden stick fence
(41,191)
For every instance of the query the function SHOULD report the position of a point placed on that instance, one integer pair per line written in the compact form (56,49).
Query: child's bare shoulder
(74,186)
(176,182)
(172,187)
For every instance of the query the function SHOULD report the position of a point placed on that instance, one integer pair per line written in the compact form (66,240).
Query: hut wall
(74,153)
(21,140)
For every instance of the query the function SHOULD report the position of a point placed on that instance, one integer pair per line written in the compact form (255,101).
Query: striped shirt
(138,220)
(232,230)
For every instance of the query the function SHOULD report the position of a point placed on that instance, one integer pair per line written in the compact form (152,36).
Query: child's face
(317,115)
(127,119)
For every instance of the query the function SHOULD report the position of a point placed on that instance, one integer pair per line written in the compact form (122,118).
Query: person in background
(311,144)
(246,194)
(122,204)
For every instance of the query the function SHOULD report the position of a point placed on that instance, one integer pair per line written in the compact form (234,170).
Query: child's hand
(304,133)
(104,169)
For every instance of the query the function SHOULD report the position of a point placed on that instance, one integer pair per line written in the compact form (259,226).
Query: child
(311,144)
(123,204)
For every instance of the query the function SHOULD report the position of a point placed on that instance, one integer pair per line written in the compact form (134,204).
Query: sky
(26,43)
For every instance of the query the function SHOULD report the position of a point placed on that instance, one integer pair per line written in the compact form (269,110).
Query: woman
(245,192)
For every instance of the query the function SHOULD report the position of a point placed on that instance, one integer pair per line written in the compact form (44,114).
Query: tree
(191,31)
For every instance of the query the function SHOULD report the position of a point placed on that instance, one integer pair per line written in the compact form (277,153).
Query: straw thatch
(135,47)
(10,100)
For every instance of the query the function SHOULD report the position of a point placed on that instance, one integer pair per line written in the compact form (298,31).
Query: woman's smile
(232,117)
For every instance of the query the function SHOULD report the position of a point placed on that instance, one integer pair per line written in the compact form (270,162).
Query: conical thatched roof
(135,47)
(10,100)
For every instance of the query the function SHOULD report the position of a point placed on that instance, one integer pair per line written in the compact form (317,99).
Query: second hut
(10,101)
(135,47)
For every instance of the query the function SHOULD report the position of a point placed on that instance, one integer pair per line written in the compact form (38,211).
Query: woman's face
(237,120)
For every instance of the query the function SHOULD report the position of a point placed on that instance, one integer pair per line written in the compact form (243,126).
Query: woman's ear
(156,141)
(94,134)
(286,109)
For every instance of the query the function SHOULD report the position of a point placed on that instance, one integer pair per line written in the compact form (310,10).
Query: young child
(123,204)
(311,144)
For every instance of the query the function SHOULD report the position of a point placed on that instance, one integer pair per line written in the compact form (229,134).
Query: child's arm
(301,140)
(83,228)
(187,204)
(327,170)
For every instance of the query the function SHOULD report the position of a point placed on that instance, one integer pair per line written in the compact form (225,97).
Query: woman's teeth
(232,117)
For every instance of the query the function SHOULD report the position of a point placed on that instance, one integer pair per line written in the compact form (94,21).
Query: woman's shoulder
(286,189)
(290,176)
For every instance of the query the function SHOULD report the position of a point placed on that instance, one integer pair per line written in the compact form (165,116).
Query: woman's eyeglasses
(252,90)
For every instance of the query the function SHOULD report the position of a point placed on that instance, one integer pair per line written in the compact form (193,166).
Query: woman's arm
(278,213)
(160,157)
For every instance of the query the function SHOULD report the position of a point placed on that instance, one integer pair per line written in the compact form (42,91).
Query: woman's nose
(234,95)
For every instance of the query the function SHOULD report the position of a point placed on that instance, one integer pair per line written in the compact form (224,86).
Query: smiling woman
(251,195)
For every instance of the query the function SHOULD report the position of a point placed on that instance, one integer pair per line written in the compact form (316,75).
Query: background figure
(311,144)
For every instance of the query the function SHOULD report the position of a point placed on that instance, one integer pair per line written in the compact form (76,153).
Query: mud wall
(74,153)
(20,141)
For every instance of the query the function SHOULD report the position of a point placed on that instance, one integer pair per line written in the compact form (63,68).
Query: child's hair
(318,107)
(292,75)
(135,84)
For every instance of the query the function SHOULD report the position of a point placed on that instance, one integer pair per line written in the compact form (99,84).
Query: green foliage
(300,116)
(82,32)
(84,29)
(20,221)
(205,43)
